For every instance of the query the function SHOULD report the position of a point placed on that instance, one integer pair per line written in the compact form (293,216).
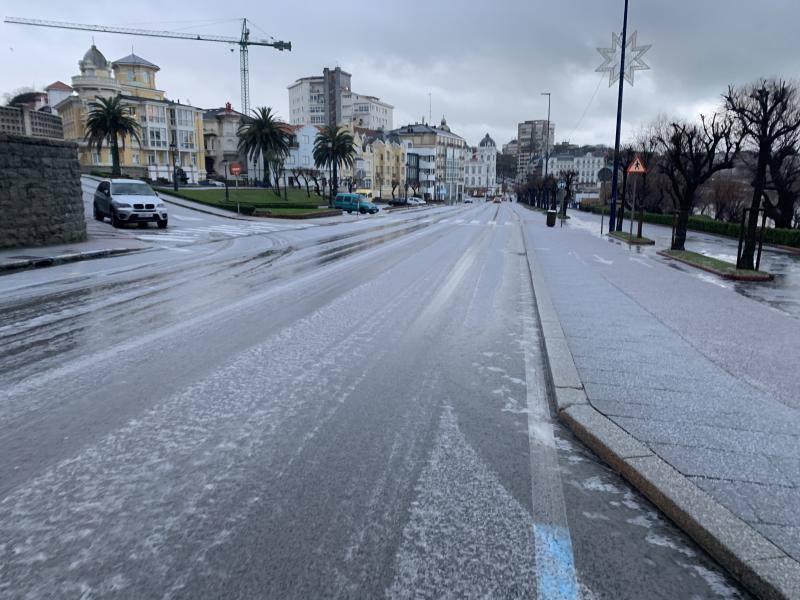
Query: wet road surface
(351,411)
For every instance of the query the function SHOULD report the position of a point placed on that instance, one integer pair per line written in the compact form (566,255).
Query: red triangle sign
(637,166)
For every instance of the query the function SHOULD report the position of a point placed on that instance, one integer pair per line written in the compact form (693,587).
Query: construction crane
(244,42)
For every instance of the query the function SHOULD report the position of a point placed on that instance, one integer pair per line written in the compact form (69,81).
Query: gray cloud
(484,63)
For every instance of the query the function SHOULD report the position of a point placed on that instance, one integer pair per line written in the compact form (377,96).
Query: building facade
(329,99)
(220,140)
(587,166)
(480,168)
(171,132)
(532,144)
(449,151)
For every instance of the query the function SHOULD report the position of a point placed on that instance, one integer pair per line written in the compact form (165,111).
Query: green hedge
(783,237)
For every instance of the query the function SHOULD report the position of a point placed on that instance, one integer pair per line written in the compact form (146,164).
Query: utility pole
(547,150)
(612,216)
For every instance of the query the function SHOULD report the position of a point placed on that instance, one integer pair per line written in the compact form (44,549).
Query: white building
(587,167)
(301,153)
(480,168)
(328,99)
(366,111)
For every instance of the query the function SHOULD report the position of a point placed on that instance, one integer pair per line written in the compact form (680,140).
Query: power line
(585,110)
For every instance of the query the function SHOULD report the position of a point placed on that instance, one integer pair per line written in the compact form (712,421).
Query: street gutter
(763,568)
(60,259)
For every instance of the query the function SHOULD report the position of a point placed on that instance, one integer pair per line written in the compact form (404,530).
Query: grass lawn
(215,196)
(720,267)
(626,237)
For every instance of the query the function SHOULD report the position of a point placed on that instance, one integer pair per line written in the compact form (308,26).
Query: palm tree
(264,135)
(334,146)
(110,121)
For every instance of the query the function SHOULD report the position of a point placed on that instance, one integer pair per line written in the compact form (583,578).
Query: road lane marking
(475,222)
(492,222)
(602,260)
(183,218)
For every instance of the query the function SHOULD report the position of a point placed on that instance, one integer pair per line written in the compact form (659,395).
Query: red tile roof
(60,86)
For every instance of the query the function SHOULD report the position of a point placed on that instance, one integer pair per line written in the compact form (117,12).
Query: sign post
(637,168)
(236,168)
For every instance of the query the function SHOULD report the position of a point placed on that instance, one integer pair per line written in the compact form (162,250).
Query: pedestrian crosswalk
(187,235)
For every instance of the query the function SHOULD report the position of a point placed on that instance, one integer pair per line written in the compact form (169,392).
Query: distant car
(414,201)
(211,182)
(496,200)
(398,202)
(128,201)
(354,202)
(467,200)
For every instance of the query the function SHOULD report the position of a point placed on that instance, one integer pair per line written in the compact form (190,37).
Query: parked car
(128,201)
(354,202)
(398,202)
(414,201)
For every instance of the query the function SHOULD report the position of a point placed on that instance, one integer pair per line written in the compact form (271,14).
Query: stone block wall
(41,201)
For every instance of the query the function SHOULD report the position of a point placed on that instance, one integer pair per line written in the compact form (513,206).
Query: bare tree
(692,154)
(767,114)
(568,176)
(784,174)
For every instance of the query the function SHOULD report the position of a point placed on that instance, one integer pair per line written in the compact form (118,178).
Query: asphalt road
(349,410)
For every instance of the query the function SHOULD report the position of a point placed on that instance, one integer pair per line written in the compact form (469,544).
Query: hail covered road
(351,410)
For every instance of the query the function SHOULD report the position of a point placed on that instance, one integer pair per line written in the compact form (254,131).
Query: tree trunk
(749,250)
(686,206)
(334,186)
(115,168)
(680,230)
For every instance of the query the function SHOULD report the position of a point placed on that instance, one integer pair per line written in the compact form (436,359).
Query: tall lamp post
(612,215)
(174,150)
(547,150)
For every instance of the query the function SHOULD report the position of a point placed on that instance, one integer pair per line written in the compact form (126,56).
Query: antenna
(430,118)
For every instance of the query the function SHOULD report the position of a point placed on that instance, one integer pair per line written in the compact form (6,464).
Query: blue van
(354,202)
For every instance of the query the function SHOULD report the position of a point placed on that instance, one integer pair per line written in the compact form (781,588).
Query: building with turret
(480,168)
(171,133)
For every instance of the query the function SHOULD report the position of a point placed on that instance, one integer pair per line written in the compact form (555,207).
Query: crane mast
(244,42)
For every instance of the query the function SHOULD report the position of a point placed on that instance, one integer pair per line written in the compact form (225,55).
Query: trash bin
(551,218)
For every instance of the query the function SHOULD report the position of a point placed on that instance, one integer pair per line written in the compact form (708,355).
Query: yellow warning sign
(637,166)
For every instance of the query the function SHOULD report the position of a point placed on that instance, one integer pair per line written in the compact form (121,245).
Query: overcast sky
(484,63)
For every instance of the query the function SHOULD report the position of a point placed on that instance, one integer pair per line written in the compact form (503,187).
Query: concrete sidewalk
(695,377)
(17,259)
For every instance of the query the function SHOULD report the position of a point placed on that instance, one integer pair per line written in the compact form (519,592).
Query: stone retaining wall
(41,199)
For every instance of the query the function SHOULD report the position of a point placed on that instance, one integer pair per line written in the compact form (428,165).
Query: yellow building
(171,132)
(380,161)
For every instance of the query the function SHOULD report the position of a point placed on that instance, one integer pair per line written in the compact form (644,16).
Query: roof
(418,128)
(487,141)
(210,113)
(139,99)
(59,86)
(132,59)
(95,57)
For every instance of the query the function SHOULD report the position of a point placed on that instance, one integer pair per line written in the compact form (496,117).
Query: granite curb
(60,259)
(763,568)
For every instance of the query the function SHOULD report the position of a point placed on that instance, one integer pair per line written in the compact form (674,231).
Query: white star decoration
(633,58)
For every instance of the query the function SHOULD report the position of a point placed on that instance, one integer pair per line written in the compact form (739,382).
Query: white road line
(165,238)
(458,221)
(475,222)
(183,218)
(492,223)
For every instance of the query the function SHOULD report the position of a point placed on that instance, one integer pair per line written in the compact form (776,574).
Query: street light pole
(614,176)
(547,150)
(174,149)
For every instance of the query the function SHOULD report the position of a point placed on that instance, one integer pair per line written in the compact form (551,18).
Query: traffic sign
(562,184)
(604,174)
(637,166)
(236,168)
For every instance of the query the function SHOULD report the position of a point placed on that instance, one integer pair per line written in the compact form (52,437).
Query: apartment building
(170,131)
(532,144)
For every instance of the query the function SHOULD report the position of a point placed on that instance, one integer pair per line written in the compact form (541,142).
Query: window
(151,159)
(186,140)
(131,75)
(135,158)
(305,160)
(95,158)
(184,117)
(157,137)
(156,114)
